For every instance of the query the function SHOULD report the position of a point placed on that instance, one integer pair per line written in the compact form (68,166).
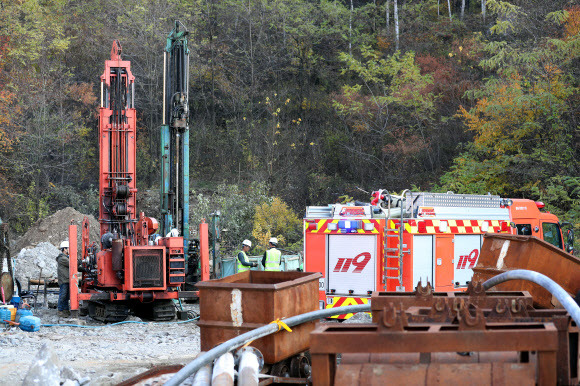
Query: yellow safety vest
(272,260)
(241,267)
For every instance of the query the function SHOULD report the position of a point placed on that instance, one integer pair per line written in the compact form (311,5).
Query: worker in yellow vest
(272,257)
(244,263)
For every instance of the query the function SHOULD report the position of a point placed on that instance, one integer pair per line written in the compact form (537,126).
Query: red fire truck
(392,243)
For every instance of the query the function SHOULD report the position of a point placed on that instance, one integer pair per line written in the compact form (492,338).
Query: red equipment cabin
(131,270)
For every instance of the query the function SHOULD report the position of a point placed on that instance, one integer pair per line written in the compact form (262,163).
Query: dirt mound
(54,229)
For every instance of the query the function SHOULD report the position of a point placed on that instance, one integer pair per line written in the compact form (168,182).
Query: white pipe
(202,377)
(249,336)
(223,371)
(248,369)
(164,76)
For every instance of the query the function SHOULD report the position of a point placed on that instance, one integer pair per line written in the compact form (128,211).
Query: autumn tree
(274,218)
(525,118)
(50,132)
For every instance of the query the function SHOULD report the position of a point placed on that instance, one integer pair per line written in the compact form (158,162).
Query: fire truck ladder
(394,253)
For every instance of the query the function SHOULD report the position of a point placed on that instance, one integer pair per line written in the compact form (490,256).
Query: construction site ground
(98,355)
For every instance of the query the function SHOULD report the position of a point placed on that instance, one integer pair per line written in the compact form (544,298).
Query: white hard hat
(64,244)
(247,242)
(274,240)
(173,233)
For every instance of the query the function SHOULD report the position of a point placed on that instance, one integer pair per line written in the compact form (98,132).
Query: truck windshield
(552,234)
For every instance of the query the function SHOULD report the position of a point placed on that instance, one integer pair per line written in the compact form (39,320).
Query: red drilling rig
(134,270)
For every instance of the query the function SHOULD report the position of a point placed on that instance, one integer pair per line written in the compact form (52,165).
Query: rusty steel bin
(501,253)
(248,300)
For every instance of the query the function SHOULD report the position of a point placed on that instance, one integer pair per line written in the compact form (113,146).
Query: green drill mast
(175,136)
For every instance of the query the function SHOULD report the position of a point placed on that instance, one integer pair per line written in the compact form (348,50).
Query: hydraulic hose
(543,280)
(208,357)
(118,323)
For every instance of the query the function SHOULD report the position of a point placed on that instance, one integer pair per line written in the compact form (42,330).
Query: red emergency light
(312,225)
(422,227)
(505,226)
(540,204)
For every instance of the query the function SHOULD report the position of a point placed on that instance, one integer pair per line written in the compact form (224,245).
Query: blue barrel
(22,312)
(30,323)
(15,301)
(4,315)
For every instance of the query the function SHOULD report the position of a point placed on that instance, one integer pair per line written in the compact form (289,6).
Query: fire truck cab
(396,241)
(529,221)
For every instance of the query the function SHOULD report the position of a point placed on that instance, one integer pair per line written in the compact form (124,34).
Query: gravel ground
(97,356)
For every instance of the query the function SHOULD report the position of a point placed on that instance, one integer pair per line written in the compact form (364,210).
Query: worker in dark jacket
(244,263)
(272,257)
(63,280)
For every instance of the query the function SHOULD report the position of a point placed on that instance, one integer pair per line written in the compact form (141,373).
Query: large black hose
(249,336)
(535,277)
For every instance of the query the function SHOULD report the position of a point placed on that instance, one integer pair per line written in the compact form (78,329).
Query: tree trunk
(350,29)
(483,6)
(396,15)
(438,6)
(388,14)
(210,16)
(462,8)
(449,8)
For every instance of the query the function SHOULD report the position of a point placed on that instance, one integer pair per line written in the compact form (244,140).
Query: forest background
(298,102)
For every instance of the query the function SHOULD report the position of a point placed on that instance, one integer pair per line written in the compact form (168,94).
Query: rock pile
(29,262)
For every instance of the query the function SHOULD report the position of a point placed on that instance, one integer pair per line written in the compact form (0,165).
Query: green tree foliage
(236,205)
(308,99)
(525,118)
(388,115)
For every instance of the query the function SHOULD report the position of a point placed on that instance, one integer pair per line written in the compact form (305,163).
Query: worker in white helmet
(272,257)
(63,280)
(244,263)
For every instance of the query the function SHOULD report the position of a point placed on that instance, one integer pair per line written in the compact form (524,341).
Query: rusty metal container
(248,300)
(497,341)
(426,297)
(501,253)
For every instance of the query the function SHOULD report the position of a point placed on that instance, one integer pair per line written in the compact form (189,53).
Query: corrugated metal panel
(318,211)
(416,199)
